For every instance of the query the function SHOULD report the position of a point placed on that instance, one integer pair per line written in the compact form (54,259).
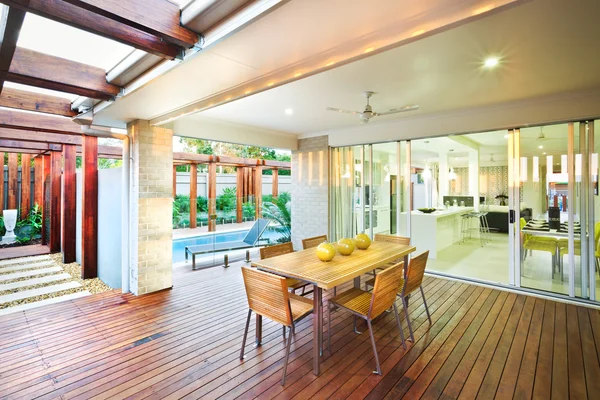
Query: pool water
(179,245)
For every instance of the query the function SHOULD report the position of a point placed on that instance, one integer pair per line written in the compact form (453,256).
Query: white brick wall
(152,208)
(310,189)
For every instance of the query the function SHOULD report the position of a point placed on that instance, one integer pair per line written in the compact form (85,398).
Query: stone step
(24,259)
(34,281)
(32,272)
(40,303)
(25,294)
(27,266)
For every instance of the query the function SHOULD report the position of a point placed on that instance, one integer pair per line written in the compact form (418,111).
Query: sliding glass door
(555,248)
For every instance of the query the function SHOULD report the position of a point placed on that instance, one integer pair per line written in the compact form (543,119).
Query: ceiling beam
(157,17)
(30,121)
(32,68)
(31,101)
(69,14)
(10,27)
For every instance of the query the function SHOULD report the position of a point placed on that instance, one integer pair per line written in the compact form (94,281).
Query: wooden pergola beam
(72,15)
(230,161)
(32,68)
(30,101)
(10,26)
(39,137)
(157,17)
(19,145)
(38,122)
(16,151)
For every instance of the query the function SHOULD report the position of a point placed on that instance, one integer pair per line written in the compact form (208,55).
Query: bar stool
(467,227)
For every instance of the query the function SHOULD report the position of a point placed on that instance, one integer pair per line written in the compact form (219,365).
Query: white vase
(10,221)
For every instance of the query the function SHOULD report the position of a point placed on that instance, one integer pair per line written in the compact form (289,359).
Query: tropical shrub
(279,212)
(29,228)
(201,204)
(248,210)
(182,203)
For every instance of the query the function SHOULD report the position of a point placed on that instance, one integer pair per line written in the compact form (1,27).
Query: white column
(474,177)
(443,177)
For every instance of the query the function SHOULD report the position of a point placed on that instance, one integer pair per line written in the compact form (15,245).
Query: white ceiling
(297,31)
(545,48)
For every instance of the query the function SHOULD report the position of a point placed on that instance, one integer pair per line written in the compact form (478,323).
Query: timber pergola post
(25,184)
(212,196)
(89,243)
(258,191)
(275,184)
(55,200)
(45,210)
(69,204)
(193,195)
(1,182)
(239,195)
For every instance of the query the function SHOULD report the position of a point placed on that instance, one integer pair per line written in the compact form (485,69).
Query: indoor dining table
(305,265)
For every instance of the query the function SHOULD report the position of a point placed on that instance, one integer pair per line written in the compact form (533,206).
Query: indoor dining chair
(311,242)
(413,281)
(368,306)
(278,250)
(268,297)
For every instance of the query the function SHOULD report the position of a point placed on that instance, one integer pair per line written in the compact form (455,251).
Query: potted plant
(502,198)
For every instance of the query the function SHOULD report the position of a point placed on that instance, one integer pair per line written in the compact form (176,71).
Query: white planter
(10,221)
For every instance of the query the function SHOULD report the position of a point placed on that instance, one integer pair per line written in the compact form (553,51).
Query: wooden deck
(24,251)
(184,343)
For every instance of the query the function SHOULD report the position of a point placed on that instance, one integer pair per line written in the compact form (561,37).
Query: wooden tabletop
(305,265)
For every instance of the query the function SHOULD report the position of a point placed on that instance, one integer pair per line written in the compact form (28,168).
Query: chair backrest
(385,290)
(256,231)
(313,241)
(268,295)
(415,272)
(379,237)
(276,250)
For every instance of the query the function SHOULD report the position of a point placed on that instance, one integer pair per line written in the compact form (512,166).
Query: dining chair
(314,241)
(268,297)
(402,240)
(278,250)
(414,280)
(368,306)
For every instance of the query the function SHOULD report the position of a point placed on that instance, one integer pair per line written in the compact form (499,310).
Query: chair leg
(354,325)
(283,332)
(399,326)
(425,302)
(405,304)
(245,334)
(329,326)
(378,370)
(287,356)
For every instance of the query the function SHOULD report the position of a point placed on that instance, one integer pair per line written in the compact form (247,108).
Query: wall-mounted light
(523,169)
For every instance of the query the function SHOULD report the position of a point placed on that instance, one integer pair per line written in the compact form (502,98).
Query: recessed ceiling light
(297,74)
(491,62)
(417,33)
(270,83)
(540,147)
(505,136)
(544,153)
(289,111)
(330,63)
(227,99)
(369,49)
(248,91)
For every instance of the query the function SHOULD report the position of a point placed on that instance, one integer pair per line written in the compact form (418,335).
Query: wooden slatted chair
(278,250)
(369,306)
(268,296)
(380,237)
(311,242)
(414,279)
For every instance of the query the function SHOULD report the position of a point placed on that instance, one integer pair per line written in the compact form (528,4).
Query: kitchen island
(438,230)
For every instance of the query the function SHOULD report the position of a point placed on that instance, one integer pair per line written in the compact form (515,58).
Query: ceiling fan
(368,112)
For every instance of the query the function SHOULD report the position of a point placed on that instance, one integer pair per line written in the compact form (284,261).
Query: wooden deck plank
(543,374)
(178,344)
(577,387)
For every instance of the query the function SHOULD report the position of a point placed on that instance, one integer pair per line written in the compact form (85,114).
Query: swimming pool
(180,244)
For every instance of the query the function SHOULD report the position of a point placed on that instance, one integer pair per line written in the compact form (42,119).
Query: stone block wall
(310,189)
(152,208)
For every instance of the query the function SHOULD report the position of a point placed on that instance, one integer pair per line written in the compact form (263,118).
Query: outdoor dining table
(305,265)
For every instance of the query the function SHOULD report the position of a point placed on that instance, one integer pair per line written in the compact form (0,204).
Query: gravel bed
(92,285)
